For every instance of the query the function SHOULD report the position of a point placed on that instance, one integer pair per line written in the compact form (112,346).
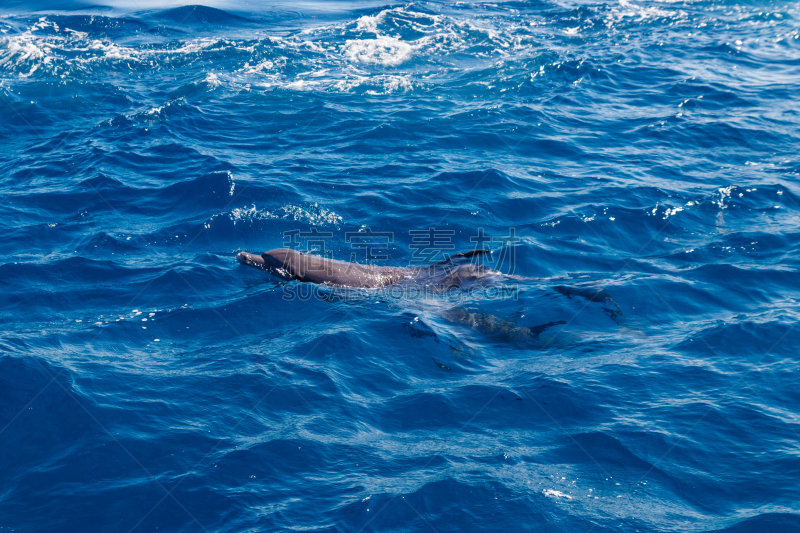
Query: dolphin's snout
(250,259)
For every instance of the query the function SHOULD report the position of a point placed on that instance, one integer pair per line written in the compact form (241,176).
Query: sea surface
(632,164)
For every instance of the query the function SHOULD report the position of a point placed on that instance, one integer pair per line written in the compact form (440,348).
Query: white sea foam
(212,80)
(556,494)
(261,66)
(313,214)
(383,50)
(23,50)
(375,85)
(627,10)
(338,57)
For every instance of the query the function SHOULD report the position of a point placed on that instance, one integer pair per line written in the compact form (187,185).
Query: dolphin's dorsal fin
(471,253)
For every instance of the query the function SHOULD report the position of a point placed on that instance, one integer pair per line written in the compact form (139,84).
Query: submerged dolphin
(298,266)
(292,265)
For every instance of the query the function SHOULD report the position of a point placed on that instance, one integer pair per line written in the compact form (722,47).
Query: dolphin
(292,265)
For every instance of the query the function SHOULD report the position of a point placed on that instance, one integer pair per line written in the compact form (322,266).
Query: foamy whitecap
(399,17)
(348,57)
(212,80)
(386,51)
(637,13)
(375,85)
(150,115)
(23,50)
(261,66)
(313,214)
(159,110)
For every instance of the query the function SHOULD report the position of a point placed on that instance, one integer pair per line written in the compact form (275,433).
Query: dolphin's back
(290,264)
(317,269)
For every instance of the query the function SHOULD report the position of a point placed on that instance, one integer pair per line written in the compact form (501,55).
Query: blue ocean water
(639,150)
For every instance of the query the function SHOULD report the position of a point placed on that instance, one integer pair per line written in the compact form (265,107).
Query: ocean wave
(419,42)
